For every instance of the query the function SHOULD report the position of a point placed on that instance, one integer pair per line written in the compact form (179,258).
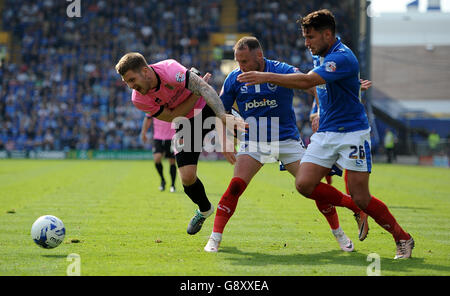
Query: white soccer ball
(48,231)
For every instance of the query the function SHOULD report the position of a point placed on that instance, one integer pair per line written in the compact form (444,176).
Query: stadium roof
(411,28)
(411,60)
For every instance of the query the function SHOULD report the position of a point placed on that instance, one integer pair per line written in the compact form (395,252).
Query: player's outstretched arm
(294,80)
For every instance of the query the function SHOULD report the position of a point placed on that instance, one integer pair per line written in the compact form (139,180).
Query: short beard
(322,51)
(261,66)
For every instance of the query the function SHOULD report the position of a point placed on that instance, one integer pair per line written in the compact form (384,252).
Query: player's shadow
(335,257)
(410,208)
(54,256)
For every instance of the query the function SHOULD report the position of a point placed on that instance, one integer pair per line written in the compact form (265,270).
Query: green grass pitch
(125,226)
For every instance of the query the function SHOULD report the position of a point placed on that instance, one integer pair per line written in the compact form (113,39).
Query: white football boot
(344,242)
(213,242)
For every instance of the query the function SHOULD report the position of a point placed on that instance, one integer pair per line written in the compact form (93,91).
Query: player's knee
(157,157)
(188,177)
(188,174)
(359,192)
(303,187)
(361,200)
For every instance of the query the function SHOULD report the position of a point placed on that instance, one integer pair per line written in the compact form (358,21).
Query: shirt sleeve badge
(330,66)
(180,77)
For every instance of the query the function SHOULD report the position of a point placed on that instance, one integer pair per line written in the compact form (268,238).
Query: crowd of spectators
(65,94)
(274,23)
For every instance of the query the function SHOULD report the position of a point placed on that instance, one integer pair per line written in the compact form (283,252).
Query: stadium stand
(59,89)
(62,91)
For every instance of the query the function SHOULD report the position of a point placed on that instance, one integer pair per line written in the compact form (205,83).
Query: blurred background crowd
(60,90)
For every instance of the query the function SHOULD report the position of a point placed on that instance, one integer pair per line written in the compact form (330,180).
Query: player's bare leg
(308,177)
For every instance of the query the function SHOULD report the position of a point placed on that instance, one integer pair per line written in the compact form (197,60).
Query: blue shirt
(313,108)
(260,104)
(341,109)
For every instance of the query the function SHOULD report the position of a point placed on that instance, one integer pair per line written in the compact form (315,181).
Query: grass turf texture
(125,226)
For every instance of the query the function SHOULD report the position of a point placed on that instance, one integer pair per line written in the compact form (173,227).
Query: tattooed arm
(201,88)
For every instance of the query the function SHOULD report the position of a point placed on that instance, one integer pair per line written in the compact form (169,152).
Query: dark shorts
(189,154)
(164,147)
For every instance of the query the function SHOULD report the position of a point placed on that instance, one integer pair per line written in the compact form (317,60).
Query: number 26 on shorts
(357,152)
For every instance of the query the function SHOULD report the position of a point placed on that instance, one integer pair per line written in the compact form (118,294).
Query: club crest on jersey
(180,77)
(330,66)
(272,87)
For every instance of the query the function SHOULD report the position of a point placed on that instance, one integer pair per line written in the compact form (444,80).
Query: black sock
(197,194)
(159,168)
(173,173)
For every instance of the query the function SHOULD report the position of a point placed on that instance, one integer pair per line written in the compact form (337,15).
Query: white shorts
(350,151)
(286,151)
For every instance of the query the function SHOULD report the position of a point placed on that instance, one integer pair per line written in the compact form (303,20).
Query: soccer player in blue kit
(343,136)
(268,110)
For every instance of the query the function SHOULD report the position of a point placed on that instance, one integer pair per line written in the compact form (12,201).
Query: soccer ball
(48,231)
